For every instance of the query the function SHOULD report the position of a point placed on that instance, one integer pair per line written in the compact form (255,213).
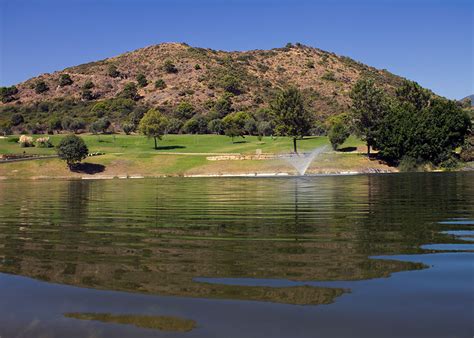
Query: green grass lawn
(179,143)
(134,156)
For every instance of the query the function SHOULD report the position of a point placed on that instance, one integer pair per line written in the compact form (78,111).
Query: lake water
(335,256)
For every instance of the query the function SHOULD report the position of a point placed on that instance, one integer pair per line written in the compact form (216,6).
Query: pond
(316,256)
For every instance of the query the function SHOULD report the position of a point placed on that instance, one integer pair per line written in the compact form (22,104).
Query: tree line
(413,126)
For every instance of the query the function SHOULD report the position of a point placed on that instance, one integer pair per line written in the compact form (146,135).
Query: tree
(467,150)
(112,71)
(100,126)
(184,110)
(104,124)
(130,91)
(196,125)
(174,126)
(264,128)
(72,149)
(153,124)
(7,94)
(66,123)
(338,134)
(5,128)
(137,114)
(250,126)
(76,125)
(429,134)
(128,128)
(17,119)
(86,91)
(231,84)
(223,105)
(169,67)
(369,106)
(141,80)
(41,87)
(234,124)
(215,126)
(291,117)
(65,80)
(54,124)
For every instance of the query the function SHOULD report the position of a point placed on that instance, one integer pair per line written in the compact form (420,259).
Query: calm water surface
(354,256)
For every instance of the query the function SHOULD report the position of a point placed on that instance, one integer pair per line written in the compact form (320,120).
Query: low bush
(141,80)
(329,76)
(65,80)
(160,84)
(7,94)
(26,141)
(112,71)
(43,142)
(169,67)
(41,87)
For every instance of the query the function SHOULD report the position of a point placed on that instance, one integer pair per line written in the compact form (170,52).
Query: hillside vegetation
(183,82)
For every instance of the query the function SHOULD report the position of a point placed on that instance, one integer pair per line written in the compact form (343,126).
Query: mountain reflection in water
(180,237)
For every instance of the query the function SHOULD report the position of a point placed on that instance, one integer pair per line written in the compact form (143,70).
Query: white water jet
(302,161)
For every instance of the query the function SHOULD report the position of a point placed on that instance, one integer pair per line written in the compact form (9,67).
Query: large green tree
(338,133)
(291,116)
(72,149)
(369,106)
(153,124)
(234,124)
(425,134)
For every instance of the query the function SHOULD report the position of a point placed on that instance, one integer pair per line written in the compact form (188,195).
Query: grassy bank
(181,155)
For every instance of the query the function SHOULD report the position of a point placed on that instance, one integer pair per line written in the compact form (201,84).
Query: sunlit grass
(179,143)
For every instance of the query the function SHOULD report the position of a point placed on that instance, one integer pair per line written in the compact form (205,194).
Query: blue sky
(428,41)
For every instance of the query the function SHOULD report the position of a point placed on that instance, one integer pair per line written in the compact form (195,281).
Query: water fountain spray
(302,161)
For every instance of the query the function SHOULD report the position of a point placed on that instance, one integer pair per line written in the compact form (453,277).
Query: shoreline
(223,175)
(244,175)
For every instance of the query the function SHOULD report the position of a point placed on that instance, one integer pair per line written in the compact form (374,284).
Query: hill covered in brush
(184,82)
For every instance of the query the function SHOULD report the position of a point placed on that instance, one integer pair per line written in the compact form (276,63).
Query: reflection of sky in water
(449,247)
(463,235)
(403,305)
(459,221)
